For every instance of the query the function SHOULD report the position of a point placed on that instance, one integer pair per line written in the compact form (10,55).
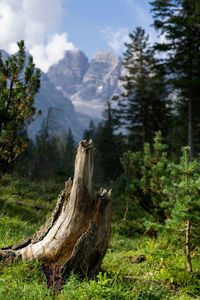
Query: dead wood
(138,258)
(38,207)
(77,234)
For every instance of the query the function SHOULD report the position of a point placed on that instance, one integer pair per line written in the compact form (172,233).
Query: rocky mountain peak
(106,56)
(87,84)
(69,71)
(75,90)
(102,66)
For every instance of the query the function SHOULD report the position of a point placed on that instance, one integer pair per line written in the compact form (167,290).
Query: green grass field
(161,275)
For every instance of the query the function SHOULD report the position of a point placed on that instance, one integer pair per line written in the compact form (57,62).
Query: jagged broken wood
(77,234)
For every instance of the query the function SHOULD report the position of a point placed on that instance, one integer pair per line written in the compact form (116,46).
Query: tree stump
(77,234)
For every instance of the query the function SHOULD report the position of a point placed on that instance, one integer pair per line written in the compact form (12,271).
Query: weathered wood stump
(77,234)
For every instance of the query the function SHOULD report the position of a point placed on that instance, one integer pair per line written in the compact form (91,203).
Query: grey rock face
(68,73)
(104,68)
(58,108)
(88,86)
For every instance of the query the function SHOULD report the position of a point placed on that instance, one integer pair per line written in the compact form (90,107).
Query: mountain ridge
(100,79)
(75,90)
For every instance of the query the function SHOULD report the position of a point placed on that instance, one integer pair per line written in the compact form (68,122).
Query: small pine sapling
(143,172)
(154,167)
(183,191)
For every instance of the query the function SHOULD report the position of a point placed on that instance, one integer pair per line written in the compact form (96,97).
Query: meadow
(137,265)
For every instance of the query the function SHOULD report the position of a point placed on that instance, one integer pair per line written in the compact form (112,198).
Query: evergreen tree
(18,86)
(169,192)
(24,164)
(109,147)
(69,154)
(179,22)
(47,155)
(142,106)
(90,133)
(62,150)
(181,188)
(142,173)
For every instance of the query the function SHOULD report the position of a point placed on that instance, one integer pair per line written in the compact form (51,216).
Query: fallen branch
(35,206)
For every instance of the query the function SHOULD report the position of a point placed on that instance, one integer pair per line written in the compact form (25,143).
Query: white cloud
(52,52)
(116,39)
(37,23)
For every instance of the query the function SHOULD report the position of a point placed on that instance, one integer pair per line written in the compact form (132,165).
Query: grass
(161,276)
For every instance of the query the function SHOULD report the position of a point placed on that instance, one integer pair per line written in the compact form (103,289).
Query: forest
(147,152)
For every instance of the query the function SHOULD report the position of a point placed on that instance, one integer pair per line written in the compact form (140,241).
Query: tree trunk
(190,126)
(187,246)
(77,234)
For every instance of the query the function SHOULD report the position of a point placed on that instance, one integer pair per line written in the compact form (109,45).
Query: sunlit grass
(161,275)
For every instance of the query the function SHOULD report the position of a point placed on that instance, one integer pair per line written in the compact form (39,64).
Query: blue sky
(90,23)
(50,27)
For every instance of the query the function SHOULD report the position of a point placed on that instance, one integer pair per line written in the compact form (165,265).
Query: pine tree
(18,85)
(179,22)
(24,164)
(142,106)
(109,147)
(181,187)
(90,133)
(69,154)
(142,173)
(47,155)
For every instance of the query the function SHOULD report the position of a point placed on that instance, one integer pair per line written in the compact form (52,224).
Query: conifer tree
(47,156)
(24,164)
(181,187)
(178,21)
(18,85)
(142,105)
(69,154)
(142,173)
(109,147)
(90,133)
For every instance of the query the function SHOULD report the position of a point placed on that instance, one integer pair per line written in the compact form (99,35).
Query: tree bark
(77,234)
(187,246)
(190,126)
